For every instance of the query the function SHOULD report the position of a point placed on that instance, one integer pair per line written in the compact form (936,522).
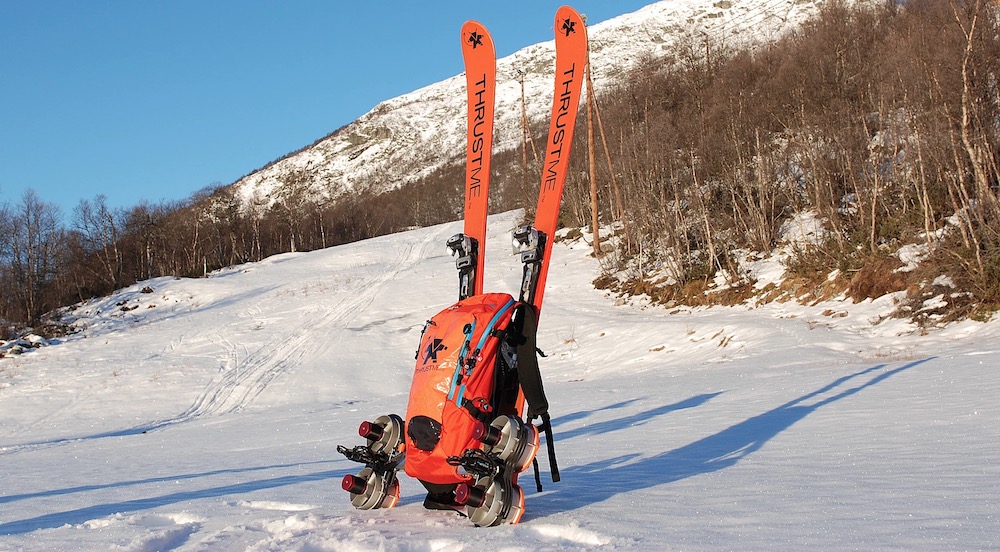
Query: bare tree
(33,253)
(101,227)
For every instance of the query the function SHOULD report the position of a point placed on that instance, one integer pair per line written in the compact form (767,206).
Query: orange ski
(480,75)
(571,61)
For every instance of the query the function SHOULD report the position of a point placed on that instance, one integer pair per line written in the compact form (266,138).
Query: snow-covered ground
(204,415)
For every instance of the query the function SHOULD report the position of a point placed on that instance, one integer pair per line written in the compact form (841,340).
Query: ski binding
(376,486)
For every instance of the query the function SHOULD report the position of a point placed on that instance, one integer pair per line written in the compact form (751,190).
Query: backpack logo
(433,348)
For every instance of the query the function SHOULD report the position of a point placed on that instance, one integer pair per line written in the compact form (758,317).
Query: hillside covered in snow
(404,138)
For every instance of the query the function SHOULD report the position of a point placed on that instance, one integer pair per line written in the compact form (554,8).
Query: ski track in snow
(239,386)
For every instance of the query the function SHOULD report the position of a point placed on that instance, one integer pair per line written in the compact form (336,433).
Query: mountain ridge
(404,138)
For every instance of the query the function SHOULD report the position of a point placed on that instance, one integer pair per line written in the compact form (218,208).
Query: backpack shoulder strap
(525,325)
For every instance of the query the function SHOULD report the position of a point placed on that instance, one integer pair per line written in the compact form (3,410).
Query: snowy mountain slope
(205,416)
(404,138)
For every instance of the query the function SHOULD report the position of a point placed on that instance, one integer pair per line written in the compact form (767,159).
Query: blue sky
(146,100)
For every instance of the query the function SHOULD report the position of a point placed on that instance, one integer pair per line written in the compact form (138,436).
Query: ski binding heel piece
(464,248)
(529,243)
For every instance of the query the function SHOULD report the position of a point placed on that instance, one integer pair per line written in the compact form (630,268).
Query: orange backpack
(476,362)
(461,380)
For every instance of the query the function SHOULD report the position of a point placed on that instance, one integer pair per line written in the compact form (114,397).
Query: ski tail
(571,61)
(480,73)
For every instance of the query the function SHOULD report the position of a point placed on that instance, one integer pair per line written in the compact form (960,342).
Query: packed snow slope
(205,414)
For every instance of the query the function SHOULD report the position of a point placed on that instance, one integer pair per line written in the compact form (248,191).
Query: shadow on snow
(621,474)
(97,511)
(630,472)
(632,421)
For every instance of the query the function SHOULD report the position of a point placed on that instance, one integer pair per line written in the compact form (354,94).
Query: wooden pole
(594,218)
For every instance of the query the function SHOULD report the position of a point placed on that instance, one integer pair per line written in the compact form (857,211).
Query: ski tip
(475,35)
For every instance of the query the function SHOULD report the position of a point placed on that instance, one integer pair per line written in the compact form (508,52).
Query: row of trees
(45,263)
(884,121)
